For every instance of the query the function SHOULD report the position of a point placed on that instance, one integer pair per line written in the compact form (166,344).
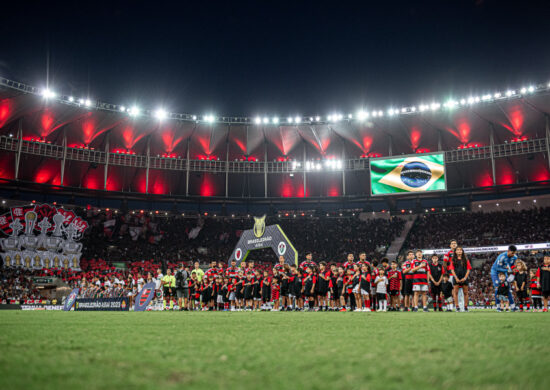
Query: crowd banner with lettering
(262,236)
(144,297)
(496,248)
(102,304)
(41,236)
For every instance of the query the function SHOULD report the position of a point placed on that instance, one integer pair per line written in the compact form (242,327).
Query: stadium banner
(408,174)
(10,306)
(262,236)
(70,300)
(102,304)
(496,248)
(41,307)
(144,297)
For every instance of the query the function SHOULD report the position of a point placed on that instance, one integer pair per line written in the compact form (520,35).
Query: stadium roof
(45,118)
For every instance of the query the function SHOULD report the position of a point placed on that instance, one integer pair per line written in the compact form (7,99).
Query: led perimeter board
(408,174)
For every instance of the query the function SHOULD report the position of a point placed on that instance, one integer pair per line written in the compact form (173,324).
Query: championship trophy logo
(259,226)
(55,244)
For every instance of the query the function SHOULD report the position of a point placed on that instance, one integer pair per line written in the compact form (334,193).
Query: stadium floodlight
(87,102)
(194,117)
(486,97)
(257,120)
(48,94)
(81,101)
(275,120)
(71,99)
(134,111)
(361,115)
(471,100)
(413,109)
(523,90)
(209,118)
(317,118)
(477,99)
(266,120)
(463,101)
(329,118)
(318,166)
(380,113)
(339,164)
(122,108)
(531,89)
(289,119)
(403,110)
(161,114)
(391,112)
(509,93)
(497,95)
(350,116)
(435,106)
(374,114)
(297,119)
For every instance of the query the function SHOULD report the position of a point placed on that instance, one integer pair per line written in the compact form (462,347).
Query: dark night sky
(237,58)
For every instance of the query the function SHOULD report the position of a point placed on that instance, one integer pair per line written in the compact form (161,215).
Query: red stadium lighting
(205,214)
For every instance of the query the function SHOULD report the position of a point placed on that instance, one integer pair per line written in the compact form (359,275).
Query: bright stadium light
(531,89)
(266,120)
(471,100)
(361,115)
(209,118)
(289,119)
(350,116)
(374,114)
(380,113)
(339,164)
(48,94)
(391,112)
(329,118)
(463,101)
(298,119)
(122,108)
(523,90)
(134,111)
(275,120)
(87,102)
(81,101)
(413,109)
(317,118)
(509,93)
(403,110)
(194,117)
(497,95)
(257,120)
(161,114)
(71,99)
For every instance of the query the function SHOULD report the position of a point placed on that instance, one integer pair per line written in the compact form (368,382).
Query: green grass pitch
(257,350)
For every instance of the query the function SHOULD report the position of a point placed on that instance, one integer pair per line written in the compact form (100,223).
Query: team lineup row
(357,286)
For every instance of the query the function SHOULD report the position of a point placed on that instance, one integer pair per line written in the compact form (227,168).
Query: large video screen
(408,174)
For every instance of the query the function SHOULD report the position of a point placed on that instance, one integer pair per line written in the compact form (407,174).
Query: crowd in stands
(148,242)
(480,229)
(141,236)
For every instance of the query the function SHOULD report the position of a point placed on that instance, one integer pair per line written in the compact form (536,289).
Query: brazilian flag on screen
(408,174)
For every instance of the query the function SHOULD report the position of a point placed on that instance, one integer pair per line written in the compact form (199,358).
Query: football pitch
(260,350)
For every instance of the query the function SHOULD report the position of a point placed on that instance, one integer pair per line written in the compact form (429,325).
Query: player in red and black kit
(323,280)
(281,265)
(308,262)
(448,257)
(395,282)
(408,282)
(211,272)
(309,282)
(534,285)
(363,259)
(460,268)
(420,270)
(348,265)
(436,277)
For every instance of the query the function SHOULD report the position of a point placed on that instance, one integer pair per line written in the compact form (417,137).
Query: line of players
(362,286)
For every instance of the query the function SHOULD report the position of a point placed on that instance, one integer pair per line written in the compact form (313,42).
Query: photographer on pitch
(182,287)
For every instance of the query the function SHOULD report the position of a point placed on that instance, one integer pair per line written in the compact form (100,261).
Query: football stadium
(397,243)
